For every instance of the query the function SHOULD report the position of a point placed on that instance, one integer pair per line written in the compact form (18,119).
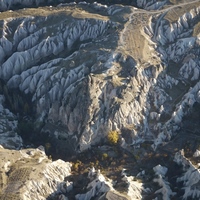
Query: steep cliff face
(8,128)
(86,73)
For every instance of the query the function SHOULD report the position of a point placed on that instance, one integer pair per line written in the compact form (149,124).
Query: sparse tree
(113,137)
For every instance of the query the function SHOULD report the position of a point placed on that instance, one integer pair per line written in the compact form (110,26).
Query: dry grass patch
(196,30)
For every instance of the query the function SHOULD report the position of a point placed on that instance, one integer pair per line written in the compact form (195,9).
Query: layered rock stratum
(70,73)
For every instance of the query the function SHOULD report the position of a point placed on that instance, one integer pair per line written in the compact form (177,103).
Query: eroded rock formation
(29,174)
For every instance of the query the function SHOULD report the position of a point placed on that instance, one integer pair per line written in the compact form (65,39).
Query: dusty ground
(134,41)
(16,168)
(74,11)
(173,14)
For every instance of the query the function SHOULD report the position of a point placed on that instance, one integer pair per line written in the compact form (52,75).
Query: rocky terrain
(112,89)
(29,174)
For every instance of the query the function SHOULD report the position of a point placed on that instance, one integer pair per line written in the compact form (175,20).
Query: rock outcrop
(190,177)
(29,174)
(165,189)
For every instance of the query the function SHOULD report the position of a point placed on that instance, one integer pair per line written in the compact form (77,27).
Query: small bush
(92,164)
(104,156)
(76,166)
(113,137)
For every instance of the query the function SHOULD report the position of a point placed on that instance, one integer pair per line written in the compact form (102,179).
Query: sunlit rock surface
(190,177)
(29,174)
(101,188)
(165,189)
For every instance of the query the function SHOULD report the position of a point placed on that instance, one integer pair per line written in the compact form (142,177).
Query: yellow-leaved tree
(113,137)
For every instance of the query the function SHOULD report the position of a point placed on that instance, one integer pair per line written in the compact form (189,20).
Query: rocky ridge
(190,177)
